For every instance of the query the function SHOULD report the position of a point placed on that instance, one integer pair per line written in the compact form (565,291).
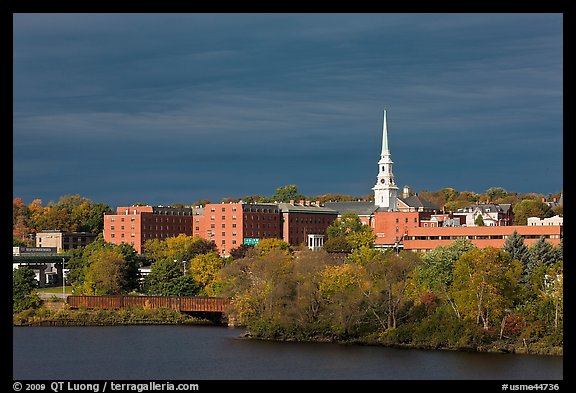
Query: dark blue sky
(167,108)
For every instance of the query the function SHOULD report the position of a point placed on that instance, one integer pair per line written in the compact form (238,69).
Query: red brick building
(299,220)
(426,239)
(231,224)
(137,224)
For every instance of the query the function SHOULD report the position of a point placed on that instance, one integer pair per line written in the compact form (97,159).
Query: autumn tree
(266,245)
(341,297)
(240,251)
(105,274)
(203,269)
(484,284)
(259,286)
(181,248)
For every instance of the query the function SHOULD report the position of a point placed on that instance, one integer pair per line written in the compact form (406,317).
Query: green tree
(493,193)
(287,193)
(530,208)
(337,244)
(541,251)
(166,278)
(514,245)
(346,224)
(364,237)
(479,221)
(436,271)
(24,295)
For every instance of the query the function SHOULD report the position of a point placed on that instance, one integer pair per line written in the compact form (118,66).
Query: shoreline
(47,317)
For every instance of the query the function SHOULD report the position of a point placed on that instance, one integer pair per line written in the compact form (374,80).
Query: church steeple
(385,190)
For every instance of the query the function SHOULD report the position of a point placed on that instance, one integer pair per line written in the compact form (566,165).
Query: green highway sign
(251,241)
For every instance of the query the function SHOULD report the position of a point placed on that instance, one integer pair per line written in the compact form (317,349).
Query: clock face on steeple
(382,181)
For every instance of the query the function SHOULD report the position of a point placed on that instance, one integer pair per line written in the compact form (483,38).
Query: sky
(165,108)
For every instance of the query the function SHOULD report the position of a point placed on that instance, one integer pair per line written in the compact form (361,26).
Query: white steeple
(385,190)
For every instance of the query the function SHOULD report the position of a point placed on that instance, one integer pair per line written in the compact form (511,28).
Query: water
(217,353)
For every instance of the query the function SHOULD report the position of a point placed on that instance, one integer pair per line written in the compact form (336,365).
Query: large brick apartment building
(228,225)
(136,224)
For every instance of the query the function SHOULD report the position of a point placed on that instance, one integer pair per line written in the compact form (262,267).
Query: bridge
(179,303)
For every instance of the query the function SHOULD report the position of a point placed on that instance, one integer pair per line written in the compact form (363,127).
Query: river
(217,353)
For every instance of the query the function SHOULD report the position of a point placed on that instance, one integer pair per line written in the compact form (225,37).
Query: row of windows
(155,228)
(113,235)
(121,219)
(406,220)
(165,219)
(214,226)
(269,226)
(478,237)
(214,217)
(173,212)
(213,209)
(310,220)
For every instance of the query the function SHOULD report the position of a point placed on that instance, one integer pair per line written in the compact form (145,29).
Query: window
(212,225)
(122,228)
(212,218)
(223,217)
(223,226)
(406,220)
(233,217)
(223,241)
(223,233)
(122,219)
(233,225)
(112,227)
(112,219)
(233,241)
(113,235)
(122,235)
(131,235)
(223,209)
(396,220)
(197,228)
(213,209)
(234,208)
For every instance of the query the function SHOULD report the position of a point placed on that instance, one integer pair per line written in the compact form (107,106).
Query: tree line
(77,213)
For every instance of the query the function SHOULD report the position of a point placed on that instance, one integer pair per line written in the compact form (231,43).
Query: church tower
(385,190)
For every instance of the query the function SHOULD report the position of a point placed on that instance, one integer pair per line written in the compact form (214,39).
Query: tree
(240,251)
(388,277)
(287,193)
(515,246)
(181,248)
(347,223)
(23,289)
(485,281)
(436,271)
(337,244)
(166,278)
(494,193)
(203,269)
(266,245)
(541,251)
(530,208)
(479,221)
(106,273)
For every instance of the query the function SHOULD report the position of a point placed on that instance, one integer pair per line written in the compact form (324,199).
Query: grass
(56,290)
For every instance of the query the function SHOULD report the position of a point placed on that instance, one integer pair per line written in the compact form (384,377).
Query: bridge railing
(180,303)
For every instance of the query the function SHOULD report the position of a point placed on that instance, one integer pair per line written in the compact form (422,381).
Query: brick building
(231,224)
(137,224)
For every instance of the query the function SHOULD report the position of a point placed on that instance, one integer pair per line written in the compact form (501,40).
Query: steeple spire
(385,190)
(385,150)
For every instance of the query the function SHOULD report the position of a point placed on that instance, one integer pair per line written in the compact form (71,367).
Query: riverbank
(56,313)
(49,316)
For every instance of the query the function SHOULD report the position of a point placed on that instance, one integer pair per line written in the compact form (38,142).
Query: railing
(180,303)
